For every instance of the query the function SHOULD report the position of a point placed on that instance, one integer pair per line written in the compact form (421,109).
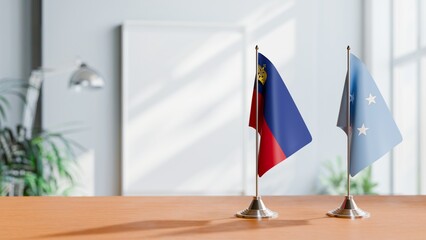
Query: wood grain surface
(300,217)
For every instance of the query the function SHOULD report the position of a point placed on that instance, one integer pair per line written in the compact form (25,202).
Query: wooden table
(392,217)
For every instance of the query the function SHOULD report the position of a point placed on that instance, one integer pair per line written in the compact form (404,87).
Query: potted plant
(36,165)
(334,180)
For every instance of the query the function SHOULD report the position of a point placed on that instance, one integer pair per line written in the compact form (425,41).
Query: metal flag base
(257,209)
(348,209)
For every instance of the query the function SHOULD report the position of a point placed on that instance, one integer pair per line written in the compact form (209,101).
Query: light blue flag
(374,132)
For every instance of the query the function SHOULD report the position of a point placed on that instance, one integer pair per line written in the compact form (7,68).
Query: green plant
(335,177)
(10,87)
(41,164)
(36,166)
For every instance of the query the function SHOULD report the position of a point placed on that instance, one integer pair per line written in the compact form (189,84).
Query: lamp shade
(86,77)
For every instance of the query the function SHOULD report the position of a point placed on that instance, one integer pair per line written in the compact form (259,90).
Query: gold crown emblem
(261,73)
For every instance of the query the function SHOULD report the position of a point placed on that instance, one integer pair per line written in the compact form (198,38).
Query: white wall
(311,60)
(393,45)
(15,47)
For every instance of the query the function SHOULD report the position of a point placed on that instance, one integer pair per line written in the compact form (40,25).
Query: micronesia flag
(374,131)
(281,127)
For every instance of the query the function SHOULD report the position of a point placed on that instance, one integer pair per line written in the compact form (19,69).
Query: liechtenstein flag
(281,127)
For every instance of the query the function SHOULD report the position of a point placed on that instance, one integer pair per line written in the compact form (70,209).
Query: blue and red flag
(281,127)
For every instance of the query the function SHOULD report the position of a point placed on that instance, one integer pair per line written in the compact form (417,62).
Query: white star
(362,130)
(351,98)
(371,99)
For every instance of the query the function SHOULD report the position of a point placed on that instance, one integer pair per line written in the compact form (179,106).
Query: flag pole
(257,121)
(257,208)
(348,121)
(348,209)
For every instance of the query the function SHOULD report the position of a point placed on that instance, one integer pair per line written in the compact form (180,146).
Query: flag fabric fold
(374,131)
(281,127)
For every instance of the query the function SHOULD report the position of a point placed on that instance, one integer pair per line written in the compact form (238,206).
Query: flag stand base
(257,209)
(348,209)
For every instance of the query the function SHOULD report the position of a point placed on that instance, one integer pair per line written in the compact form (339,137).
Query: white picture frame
(184,111)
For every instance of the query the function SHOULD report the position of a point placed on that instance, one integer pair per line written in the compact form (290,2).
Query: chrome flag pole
(257,121)
(257,208)
(348,209)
